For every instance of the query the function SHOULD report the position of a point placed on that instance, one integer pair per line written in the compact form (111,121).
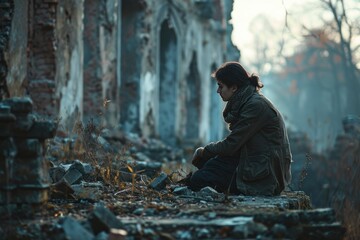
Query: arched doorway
(193,103)
(168,83)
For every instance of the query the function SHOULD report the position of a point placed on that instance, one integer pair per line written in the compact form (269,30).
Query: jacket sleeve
(252,118)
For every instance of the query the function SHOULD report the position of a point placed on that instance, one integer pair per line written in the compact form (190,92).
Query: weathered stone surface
(23,123)
(61,189)
(56,174)
(5,114)
(28,147)
(102,219)
(182,191)
(74,230)
(6,118)
(159,182)
(91,191)
(25,195)
(39,130)
(251,225)
(72,176)
(326,231)
(19,105)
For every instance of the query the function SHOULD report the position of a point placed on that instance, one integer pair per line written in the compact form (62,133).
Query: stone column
(25,178)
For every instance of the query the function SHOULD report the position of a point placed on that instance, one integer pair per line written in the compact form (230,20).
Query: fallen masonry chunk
(208,190)
(72,176)
(102,219)
(159,182)
(56,174)
(182,191)
(62,189)
(86,190)
(84,168)
(74,230)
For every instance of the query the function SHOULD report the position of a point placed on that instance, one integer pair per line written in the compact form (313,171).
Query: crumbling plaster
(69,61)
(17,55)
(119,57)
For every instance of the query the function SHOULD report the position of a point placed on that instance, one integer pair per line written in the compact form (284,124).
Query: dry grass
(81,142)
(344,175)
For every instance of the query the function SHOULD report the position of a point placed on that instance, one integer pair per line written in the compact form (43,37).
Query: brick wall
(92,61)
(6,13)
(42,62)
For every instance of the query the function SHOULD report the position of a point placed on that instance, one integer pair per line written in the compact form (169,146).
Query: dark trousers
(218,173)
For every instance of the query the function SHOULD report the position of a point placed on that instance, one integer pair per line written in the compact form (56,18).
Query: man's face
(225,91)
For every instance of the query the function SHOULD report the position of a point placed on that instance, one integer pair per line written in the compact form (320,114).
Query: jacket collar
(231,112)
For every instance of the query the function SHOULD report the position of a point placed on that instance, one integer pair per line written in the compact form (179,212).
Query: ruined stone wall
(100,51)
(175,45)
(43,52)
(132,27)
(142,65)
(41,56)
(69,61)
(16,55)
(6,14)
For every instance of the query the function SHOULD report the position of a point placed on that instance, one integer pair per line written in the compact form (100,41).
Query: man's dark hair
(232,73)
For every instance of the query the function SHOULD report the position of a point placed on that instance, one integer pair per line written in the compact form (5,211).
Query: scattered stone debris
(159,182)
(123,191)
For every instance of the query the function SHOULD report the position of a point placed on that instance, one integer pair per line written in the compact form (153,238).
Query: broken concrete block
(102,219)
(90,191)
(159,182)
(56,174)
(62,189)
(208,190)
(84,168)
(182,191)
(72,176)
(74,230)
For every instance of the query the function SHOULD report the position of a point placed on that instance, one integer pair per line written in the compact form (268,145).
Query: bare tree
(342,30)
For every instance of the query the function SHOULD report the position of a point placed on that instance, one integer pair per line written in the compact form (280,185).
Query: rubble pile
(106,185)
(176,212)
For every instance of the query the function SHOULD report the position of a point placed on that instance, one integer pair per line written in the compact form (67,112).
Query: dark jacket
(258,138)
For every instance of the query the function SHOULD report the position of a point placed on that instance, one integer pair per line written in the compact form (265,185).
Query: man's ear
(234,88)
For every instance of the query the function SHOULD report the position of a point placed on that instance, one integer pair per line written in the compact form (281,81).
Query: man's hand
(197,159)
